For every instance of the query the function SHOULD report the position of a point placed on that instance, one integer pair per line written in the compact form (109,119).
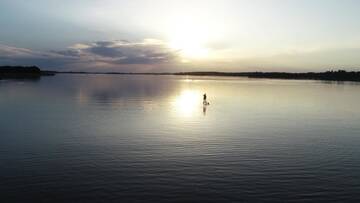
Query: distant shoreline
(339,75)
(34,72)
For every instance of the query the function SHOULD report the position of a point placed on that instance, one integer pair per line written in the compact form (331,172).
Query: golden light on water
(187,103)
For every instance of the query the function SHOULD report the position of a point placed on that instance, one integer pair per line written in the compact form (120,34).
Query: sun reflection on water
(187,103)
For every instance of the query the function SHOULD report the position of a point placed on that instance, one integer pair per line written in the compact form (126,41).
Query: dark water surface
(106,138)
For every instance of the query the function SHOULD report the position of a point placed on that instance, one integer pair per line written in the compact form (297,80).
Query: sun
(189,39)
(189,47)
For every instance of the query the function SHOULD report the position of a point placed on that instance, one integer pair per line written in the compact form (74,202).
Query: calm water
(104,138)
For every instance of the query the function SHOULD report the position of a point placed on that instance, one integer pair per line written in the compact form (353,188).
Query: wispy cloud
(20,56)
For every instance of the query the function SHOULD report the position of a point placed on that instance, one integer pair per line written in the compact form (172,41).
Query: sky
(181,35)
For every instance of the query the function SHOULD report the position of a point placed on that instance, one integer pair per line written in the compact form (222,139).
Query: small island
(23,72)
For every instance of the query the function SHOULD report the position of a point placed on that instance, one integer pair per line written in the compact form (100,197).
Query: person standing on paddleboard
(204,100)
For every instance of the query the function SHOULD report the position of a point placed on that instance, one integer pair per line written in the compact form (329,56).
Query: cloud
(149,51)
(154,55)
(101,54)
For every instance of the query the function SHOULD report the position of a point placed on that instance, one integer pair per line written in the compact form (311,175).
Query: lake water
(118,138)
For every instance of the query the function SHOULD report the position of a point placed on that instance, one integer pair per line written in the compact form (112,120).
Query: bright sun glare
(189,39)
